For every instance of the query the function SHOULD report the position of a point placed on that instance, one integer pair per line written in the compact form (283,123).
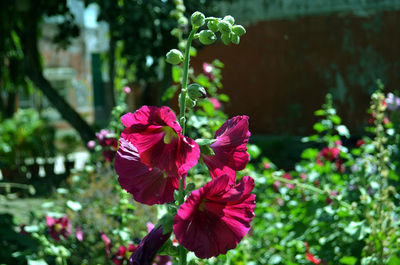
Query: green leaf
(205,141)
(336,119)
(203,81)
(176,74)
(319,127)
(169,93)
(253,150)
(394,260)
(319,112)
(208,108)
(224,98)
(349,260)
(309,153)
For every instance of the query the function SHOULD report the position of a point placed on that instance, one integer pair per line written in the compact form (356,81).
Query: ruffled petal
(229,148)
(216,217)
(157,136)
(148,186)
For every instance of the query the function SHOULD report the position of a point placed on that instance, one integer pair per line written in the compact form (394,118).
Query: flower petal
(148,186)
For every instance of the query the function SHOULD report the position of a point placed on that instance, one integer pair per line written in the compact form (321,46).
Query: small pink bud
(127,90)
(91,144)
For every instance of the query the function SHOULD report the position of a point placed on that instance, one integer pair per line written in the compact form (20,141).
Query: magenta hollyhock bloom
(216,217)
(229,148)
(216,103)
(147,185)
(147,249)
(58,227)
(158,138)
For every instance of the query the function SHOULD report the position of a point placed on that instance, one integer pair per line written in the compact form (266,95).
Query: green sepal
(230,19)
(235,39)
(224,26)
(201,141)
(206,150)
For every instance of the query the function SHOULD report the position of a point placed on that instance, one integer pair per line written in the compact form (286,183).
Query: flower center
(202,205)
(169,135)
(57,227)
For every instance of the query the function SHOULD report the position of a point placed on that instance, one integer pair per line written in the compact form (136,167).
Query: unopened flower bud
(196,91)
(224,26)
(174,56)
(226,38)
(207,37)
(230,19)
(190,103)
(183,21)
(213,25)
(197,19)
(235,38)
(239,30)
(181,8)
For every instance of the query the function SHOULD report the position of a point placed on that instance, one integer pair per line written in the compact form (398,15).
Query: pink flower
(267,165)
(330,153)
(289,177)
(216,217)
(360,142)
(119,256)
(79,234)
(229,148)
(127,90)
(303,176)
(106,241)
(58,227)
(157,136)
(147,185)
(310,256)
(215,103)
(91,144)
(340,166)
(148,247)
(207,69)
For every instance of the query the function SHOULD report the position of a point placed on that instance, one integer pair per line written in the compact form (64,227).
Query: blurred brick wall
(282,69)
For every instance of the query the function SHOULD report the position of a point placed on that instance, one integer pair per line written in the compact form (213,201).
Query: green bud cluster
(226,27)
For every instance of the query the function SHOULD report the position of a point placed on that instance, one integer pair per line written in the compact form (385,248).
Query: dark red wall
(282,69)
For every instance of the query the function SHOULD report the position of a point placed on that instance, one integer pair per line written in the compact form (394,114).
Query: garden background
(318,79)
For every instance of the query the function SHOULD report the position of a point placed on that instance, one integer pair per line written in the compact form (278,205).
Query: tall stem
(182,121)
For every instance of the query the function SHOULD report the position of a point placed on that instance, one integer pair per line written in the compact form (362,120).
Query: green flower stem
(309,187)
(182,121)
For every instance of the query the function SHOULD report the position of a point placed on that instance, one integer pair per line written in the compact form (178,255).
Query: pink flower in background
(119,256)
(147,249)
(147,185)
(289,177)
(310,256)
(91,144)
(229,148)
(215,103)
(106,241)
(207,69)
(108,142)
(79,234)
(216,217)
(330,153)
(127,90)
(303,176)
(58,227)
(158,139)
(360,142)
